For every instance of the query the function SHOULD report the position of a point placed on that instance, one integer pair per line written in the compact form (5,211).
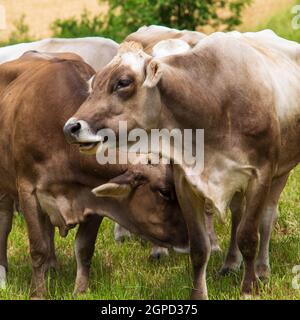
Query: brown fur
(53,181)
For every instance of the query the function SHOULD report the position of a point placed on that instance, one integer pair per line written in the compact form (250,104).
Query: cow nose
(71,131)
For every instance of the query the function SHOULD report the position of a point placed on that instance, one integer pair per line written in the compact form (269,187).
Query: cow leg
(194,215)
(247,234)
(6,217)
(158,253)
(52,263)
(38,242)
(84,249)
(120,233)
(233,258)
(211,233)
(266,226)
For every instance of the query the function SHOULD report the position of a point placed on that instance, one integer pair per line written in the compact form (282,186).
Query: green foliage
(126,16)
(87,25)
(21,32)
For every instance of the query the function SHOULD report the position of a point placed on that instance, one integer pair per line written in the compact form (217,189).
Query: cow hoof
(158,254)
(246,296)
(81,285)
(121,238)
(2,278)
(121,234)
(215,248)
(37,297)
(227,270)
(78,292)
(199,295)
(263,272)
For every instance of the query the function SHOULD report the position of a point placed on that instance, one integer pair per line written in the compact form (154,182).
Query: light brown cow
(160,41)
(150,36)
(243,90)
(53,182)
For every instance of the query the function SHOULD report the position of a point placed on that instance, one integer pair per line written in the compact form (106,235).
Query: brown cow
(243,90)
(53,182)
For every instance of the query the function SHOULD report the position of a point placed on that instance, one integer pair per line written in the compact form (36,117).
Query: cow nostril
(75,127)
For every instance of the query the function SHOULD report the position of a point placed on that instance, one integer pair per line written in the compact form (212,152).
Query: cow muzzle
(79,132)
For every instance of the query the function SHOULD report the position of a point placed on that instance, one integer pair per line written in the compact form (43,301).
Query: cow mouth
(89,147)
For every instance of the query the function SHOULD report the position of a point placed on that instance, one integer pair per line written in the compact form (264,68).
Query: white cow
(96,51)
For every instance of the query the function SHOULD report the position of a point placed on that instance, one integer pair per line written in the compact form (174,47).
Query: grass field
(124,271)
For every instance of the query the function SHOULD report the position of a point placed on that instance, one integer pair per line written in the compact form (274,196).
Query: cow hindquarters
(84,250)
(194,214)
(6,217)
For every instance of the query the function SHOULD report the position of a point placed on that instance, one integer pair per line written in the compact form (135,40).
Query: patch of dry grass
(261,10)
(41,13)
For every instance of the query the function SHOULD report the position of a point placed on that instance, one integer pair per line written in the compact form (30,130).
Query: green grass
(281,23)
(124,271)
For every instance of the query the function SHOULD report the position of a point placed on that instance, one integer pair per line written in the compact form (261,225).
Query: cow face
(149,204)
(124,91)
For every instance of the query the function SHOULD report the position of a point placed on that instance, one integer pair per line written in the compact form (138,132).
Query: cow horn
(112,189)
(90,83)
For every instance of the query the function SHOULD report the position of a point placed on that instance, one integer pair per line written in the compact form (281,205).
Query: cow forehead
(133,60)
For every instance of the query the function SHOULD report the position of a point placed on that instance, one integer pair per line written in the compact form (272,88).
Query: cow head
(125,90)
(149,204)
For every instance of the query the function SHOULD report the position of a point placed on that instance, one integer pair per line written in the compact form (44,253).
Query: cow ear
(153,74)
(112,189)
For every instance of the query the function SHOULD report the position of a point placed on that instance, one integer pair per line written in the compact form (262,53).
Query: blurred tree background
(121,17)
(126,16)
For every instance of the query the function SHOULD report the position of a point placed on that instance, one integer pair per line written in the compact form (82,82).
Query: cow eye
(123,83)
(165,194)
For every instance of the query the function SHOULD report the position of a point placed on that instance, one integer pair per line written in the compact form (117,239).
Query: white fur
(95,51)
(134,61)
(277,63)
(2,277)
(182,250)
(120,233)
(169,47)
(154,28)
(85,133)
(159,251)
